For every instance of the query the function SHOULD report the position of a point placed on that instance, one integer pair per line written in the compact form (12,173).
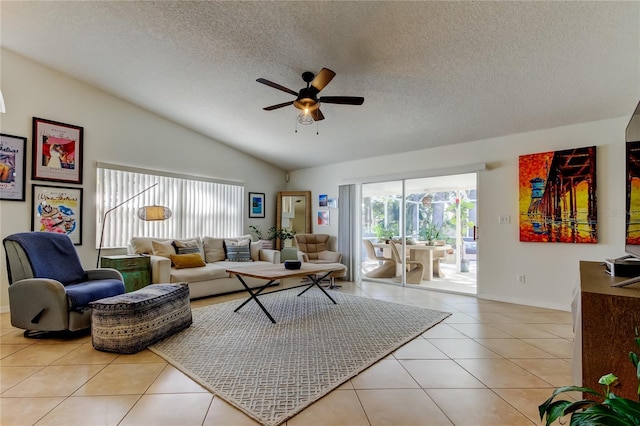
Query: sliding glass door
(420,232)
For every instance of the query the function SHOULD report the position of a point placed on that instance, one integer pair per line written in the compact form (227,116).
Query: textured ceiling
(431,73)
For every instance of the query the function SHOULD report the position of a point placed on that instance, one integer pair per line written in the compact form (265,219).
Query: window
(199,206)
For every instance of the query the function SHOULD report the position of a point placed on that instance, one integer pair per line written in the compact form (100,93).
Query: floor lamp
(147,213)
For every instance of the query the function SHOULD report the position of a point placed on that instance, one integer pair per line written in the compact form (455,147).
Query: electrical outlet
(521,279)
(504,219)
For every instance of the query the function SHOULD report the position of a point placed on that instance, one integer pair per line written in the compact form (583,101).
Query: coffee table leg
(317,283)
(254,297)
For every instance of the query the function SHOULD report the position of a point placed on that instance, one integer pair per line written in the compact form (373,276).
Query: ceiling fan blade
(317,115)
(344,100)
(272,107)
(276,86)
(322,79)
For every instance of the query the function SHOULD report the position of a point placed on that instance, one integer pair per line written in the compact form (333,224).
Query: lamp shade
(154,213)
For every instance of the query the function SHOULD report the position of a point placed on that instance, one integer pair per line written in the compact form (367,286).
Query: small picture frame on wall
(323,218)
(57,209)
(322,200)
(256,204)
(13,166)
(57,151)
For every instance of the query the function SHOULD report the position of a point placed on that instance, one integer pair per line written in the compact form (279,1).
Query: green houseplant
(607,410)
(383,233)
(266,242)
(430,232)
(283,235)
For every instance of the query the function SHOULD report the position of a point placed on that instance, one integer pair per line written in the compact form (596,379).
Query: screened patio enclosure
(430,222)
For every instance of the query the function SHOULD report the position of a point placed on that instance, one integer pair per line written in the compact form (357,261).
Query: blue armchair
(49,290)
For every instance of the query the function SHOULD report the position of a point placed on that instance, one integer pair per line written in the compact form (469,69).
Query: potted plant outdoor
(608,409)
(430,233)
(384,234)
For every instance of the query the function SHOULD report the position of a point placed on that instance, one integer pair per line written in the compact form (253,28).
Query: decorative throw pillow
(163,249)
(186,246)
(238,251)
(239,254)
(213,249)
(143,245)
(183,261)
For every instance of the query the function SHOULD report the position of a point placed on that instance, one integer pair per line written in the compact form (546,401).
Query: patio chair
(415,268)
(387,265)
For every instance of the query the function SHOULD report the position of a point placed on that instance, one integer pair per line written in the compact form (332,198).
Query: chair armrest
(33,296)
(160,269)
(303,257)
(330,256)
(104,274)
(269,255)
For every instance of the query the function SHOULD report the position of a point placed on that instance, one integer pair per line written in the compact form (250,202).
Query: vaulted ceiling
(431,73)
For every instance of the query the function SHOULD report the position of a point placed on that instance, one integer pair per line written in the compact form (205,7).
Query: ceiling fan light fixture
(305,104)
(305,119)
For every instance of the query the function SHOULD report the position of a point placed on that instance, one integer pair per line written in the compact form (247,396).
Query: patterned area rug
(273,371)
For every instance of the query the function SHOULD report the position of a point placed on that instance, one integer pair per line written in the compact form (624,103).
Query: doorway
(420,232)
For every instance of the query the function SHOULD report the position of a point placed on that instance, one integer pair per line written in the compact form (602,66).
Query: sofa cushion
(189,260)
(187,246)
(164,249)
(238,252)
(142,245)
(214,247)
(210,271)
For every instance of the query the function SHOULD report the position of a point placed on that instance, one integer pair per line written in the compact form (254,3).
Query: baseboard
(526,302)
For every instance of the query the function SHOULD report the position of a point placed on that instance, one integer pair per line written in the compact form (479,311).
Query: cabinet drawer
(127,264)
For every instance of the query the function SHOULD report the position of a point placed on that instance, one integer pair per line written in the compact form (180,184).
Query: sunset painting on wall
(633,193)
(557,196)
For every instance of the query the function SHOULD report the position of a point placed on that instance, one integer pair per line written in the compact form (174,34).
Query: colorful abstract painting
(557,196)
(633,193)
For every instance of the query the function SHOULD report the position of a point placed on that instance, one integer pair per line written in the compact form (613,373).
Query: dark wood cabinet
(610,318)
(136,270)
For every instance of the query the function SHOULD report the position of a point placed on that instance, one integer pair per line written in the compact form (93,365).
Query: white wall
(114,132)
(551,269)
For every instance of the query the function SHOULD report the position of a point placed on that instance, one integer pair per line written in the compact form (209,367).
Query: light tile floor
(490,363)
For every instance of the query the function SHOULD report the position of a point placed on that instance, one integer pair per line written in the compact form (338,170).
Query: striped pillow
(238,251)
(186,247)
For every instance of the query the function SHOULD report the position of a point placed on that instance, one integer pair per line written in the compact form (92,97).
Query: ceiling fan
(307,99)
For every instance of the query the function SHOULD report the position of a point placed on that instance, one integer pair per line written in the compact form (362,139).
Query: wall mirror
(293,213)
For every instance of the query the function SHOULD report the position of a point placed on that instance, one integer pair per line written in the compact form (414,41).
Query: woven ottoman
(130,322)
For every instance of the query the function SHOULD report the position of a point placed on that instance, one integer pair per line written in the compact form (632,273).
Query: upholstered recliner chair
(49,290)
(314,248)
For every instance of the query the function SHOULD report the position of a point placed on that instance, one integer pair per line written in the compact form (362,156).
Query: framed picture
(322,200)
(323,217)
(256,204)
(333,203)
(57,151)
(13,165)
(57,209)
(557,196)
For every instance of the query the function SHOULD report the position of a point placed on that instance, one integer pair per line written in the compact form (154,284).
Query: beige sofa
(209,279)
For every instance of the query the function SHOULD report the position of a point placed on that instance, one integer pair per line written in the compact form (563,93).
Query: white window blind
(199,207)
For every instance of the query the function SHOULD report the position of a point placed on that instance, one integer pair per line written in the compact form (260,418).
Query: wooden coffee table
(271,273)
